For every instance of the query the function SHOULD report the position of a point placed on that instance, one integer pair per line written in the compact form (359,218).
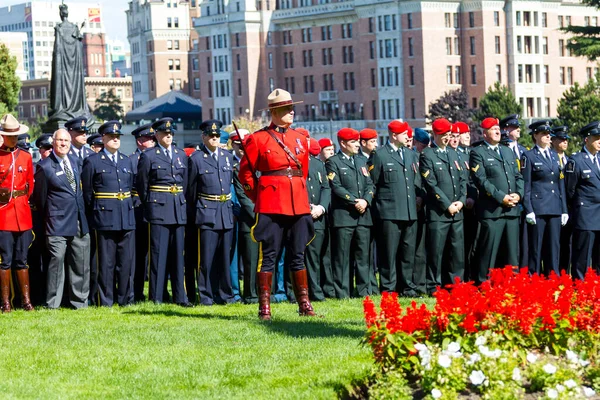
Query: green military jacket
(247,217)
(349,182)
(463,156)
(444,181)
(397,183)
(495,175)
(319,192)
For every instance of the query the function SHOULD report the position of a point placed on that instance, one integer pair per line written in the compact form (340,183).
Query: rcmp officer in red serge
(209,197)
(77,128)
(582,175)
(144,139)
(544,200)
(16,185)
(280,155)
(107,179)
(161,181)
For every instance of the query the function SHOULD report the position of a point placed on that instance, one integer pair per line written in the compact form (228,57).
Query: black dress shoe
(186,304)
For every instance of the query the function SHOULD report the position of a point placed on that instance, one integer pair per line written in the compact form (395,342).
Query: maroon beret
(348,134)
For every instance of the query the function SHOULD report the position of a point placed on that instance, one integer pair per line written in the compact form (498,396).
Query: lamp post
(362,111)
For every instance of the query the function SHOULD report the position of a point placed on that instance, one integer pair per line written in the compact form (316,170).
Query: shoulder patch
(371,167)
(570,168)
(331,175)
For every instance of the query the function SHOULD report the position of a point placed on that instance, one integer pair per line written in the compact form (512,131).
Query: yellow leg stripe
(260,257)
(97,269)
(311,239)
(32,240)
(148,266)
(252,229)
(198,258)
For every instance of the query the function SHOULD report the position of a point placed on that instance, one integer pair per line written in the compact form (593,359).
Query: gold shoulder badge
(476,168)
(331,175)
(83,123)
(425,174)
(371,168)
(151,130)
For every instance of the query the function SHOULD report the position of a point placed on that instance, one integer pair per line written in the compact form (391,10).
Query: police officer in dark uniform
(77,128)
(209,191)
(107,179)
(560,143)
(23,142)
(144,139)
(44,145)
(582,175)
(446,188)
(394,170)
(161,181)
(495,173)
(544,200)
(95,142)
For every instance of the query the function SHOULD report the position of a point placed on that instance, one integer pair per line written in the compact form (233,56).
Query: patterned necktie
(69,174)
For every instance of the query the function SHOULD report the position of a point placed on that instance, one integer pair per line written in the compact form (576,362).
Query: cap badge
(168,124)
(115,127)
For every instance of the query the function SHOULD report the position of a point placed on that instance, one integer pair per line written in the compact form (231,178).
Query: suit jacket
(444,181)
(55,200)
(275,194)
(544,184)
(397,184)
(155,169)
(319,192)
(349,182)
(101,175)
(495,175)
(583,191)
(208,177)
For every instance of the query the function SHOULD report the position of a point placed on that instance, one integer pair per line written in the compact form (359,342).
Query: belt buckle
(121,196)
(289,172)
(173,189)
(223,198)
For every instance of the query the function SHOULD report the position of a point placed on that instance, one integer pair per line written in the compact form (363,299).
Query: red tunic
(16,215)
(275,194)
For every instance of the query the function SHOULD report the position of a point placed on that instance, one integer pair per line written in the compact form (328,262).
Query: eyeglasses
(213,135)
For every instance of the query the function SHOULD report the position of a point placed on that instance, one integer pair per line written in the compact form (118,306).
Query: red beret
(410,132)
(368,133)
(397,126)
(348,134)
(489,122)
(235,138)
(460,127)
(314,148)
(441,126)
(325,142)
(302,131)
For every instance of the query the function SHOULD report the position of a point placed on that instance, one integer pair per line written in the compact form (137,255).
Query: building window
(176,22)
(498,73)
(561,78)
(471,19)
(176,44)
(171,84)
(518,18)
(519,45)
(177,65)
(413,108)
(496,18)
(497,44)
(473,75)
(269,38)
(411,76)
(371,23)
(409,20)
(449,75)
(196,83)
(210,92)
(570,75)
(373,78)
(410,47)
(270,60)
(546,74)
(561,47)
(457,76)
(448,46)
(456,46)
(561,21)
(169,45)
(474,102)
(170,62)
(472,44)
(447,20)
(169,23)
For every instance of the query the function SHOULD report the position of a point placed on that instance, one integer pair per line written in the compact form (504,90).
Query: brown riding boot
(264,280)
(5,290)
(23,278)
(300,282)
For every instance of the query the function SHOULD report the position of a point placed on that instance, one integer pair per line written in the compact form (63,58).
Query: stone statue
(67,90)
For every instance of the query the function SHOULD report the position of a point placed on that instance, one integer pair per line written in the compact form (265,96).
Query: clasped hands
(511,200)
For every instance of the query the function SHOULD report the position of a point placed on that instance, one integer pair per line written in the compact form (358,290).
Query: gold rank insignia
(426,174)
(214,127)
(371,167)
(102,156)
(437,196)
(518,163)
(476,168)
(331,175)
(157,151)
(348,196)
(247,187)
(115,127)
(83,123)
(168,124)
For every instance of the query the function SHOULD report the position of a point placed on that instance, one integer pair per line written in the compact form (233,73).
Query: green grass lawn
(149,351)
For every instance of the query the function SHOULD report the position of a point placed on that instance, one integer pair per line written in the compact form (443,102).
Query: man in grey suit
(59,199)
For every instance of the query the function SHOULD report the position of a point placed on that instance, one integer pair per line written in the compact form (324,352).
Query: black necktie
(401,152)
(214,156)
(168,154)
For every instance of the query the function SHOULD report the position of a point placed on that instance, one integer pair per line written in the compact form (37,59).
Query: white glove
(530,218)
(564,218)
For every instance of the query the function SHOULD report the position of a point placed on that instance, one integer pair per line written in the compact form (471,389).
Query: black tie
(214,156)
(168,154)
(401,152)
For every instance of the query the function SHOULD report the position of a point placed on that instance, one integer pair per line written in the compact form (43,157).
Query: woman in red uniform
(273,172)
(16,185)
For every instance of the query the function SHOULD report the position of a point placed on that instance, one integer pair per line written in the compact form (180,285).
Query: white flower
(572,356)
(473,358)
(420,347)
(549,369)
(436,394)
(589,392)
(477,378)
(552,394)
(425,360)
(570,383)
(531,358)
(584,363)
(453,347)
(484,350)
(496,353)
(481,340)
(560,388)
(444,361)
(516,375)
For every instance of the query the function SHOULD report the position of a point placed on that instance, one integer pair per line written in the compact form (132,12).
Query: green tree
(10,84)
(585,40)
(108,107)
(579,106)
(498,102)
(454,106)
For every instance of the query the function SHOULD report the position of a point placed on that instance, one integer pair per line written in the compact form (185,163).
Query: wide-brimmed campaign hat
(280,98)
(9,126)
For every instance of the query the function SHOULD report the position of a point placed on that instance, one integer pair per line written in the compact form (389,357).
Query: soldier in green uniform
(420,142)
(352,193)
(398,196)
(496,174)
(319,197)
(446,187)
